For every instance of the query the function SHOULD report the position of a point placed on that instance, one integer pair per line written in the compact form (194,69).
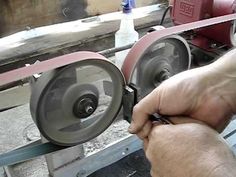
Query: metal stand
(111,154)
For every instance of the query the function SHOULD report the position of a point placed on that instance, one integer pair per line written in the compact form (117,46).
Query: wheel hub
(85,105)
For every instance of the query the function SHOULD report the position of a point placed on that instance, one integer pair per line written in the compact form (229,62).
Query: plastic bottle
(126,34)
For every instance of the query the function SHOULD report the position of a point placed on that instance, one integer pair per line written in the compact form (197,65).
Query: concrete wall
(17,15)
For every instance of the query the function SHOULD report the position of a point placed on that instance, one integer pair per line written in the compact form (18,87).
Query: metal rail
(28,152)
(110,51)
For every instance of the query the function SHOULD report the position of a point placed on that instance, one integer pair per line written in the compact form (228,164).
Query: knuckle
(196,130)
(160,130)
(136,109)
(155,132)
(148,155)
(141,135)
(152,173)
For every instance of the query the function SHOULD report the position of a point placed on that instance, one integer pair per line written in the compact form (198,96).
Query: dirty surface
(17,129)
(126,167)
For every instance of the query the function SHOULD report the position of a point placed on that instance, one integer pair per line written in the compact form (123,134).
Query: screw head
(81,173)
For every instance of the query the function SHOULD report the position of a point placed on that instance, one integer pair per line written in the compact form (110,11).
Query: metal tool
(160,119)
(66,101)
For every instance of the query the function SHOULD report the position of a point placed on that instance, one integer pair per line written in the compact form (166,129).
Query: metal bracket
(27,152)
(130,98)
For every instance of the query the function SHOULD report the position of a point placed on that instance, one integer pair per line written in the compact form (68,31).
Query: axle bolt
(89,109)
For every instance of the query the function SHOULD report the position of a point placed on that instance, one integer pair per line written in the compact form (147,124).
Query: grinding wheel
(70,104)
(150,62)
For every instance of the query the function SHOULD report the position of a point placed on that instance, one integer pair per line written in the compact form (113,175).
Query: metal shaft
(110,51)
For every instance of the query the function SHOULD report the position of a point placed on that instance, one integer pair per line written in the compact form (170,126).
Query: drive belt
(144,43)
(64,60)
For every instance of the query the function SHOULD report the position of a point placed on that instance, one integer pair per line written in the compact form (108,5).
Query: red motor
(186,11)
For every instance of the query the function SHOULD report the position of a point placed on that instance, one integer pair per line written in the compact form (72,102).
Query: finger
(145,130)
(162,130)
(184,120)
(154,173)
(147,106)
(146,140)
(158,129)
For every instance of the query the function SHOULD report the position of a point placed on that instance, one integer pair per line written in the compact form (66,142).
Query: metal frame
(103,158)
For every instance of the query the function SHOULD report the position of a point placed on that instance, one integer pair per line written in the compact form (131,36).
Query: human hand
(188,149)
(203,94)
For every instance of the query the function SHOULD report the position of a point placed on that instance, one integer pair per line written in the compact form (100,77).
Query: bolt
(206,16)
(81,173)
(89,109)
(164,75)
(213,45)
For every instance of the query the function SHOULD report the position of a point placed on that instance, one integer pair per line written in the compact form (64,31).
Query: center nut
(163,75)
(85,105)
(162,71)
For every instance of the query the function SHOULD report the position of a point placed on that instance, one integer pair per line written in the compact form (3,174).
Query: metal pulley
(71,104)
(150,63)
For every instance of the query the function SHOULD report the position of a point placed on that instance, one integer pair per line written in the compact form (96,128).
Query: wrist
(224,170)
(220,79)
(218,160)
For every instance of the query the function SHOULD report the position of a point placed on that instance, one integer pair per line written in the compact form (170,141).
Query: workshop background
(39,30)
(18,15)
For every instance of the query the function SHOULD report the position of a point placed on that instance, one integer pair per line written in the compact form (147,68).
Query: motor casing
(186,11)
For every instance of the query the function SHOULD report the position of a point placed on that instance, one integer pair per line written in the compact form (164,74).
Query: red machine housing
(186,11)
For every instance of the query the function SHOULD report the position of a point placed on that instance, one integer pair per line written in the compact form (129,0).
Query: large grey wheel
(157,62)
(70,105)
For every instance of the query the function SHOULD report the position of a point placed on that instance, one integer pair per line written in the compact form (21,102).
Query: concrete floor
(14,127)
(17,129)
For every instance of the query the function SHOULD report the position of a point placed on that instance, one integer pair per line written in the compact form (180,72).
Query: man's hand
(207,94)
(188,149)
